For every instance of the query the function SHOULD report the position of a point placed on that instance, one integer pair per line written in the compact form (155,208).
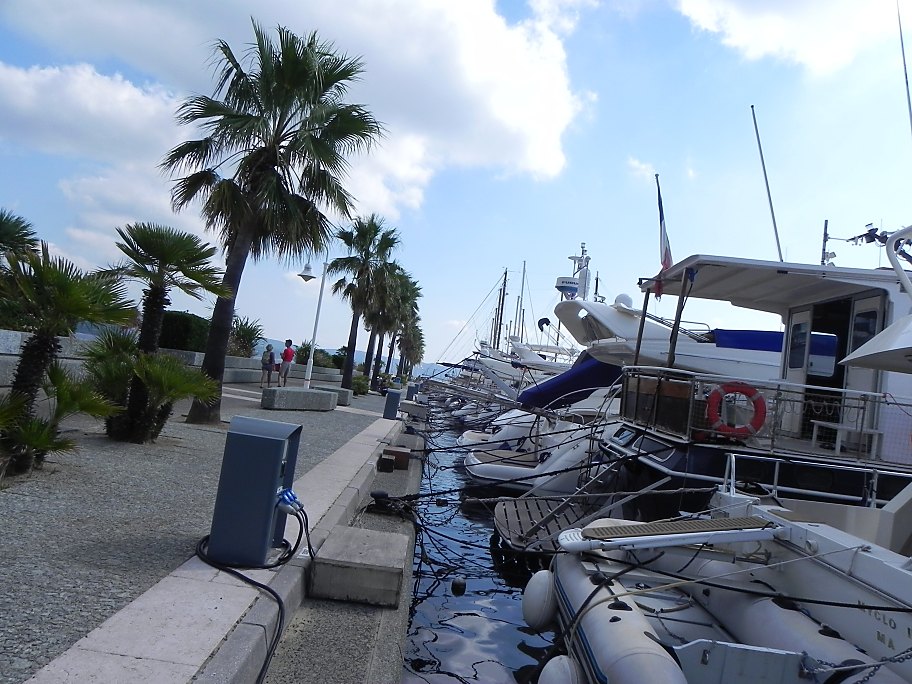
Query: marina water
(479,636)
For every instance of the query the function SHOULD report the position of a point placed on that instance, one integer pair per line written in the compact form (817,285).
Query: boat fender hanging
(561,670)
(714,410)
(539,602)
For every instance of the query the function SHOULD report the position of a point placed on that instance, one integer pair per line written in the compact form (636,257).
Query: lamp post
(307,275)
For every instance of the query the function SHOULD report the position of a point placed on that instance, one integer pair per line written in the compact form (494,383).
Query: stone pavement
(95,547)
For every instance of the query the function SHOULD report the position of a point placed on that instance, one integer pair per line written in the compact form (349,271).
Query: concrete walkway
(99,583)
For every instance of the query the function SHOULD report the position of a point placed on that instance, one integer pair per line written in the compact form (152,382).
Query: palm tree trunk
(155,301)
(139,423)
(348,367)
(220,329)
(37,355)
(389,355)
(369,356)
(375,363)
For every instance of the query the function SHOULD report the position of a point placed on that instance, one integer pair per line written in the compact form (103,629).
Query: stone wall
(237,369)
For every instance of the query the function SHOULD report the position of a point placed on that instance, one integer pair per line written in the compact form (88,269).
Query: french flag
(664,246)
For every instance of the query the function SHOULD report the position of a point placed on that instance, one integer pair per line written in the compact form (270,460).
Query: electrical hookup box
(259,461)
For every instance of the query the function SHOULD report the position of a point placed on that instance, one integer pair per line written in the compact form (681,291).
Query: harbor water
(474,633)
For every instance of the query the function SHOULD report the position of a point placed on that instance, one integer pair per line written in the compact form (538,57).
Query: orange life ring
(714,410)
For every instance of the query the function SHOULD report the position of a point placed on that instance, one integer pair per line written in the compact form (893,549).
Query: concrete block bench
(344,395)
(298,399)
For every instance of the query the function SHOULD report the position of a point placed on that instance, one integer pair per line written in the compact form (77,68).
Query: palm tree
(379,313)
(164,259)
(113,359)
(407,312)
(54,296)
(277,132)
(16,234)
(245,334)
(411,347)
(399,309)
(369,247)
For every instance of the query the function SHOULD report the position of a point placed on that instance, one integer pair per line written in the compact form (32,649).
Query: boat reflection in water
(478,636)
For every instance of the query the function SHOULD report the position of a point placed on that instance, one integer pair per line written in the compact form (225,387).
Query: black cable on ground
(234,570)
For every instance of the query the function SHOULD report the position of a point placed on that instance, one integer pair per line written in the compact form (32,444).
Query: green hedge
(182,330)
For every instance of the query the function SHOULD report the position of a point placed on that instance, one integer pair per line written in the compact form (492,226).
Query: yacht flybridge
(819,433)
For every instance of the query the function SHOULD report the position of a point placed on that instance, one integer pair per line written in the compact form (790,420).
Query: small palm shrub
(112,361)
(360,385)
(338,358)
(302,353)
(244,337)
(35,437)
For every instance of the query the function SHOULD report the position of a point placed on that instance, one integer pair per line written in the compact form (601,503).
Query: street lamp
(307,275)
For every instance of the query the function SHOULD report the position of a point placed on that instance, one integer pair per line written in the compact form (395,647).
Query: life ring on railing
(714,410)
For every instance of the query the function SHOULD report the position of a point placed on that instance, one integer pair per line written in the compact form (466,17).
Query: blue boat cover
(823,344)
(758,340)
(574,384)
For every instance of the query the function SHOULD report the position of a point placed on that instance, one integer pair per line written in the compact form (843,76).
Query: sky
(515,131)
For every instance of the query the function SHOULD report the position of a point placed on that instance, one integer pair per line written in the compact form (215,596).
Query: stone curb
(240,656)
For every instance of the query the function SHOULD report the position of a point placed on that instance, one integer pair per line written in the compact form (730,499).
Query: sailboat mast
(769,197)
(519,304)
(498,318)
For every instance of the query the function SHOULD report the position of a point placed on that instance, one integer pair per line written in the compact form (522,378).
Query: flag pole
(902,48)
(769,197)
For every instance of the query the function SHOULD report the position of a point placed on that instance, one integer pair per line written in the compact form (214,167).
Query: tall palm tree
(406,313)
(411,347)
(164,259)
(370,246)
(272,161)
(55,296)
(380,312)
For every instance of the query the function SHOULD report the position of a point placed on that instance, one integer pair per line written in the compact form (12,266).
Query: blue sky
(516,131)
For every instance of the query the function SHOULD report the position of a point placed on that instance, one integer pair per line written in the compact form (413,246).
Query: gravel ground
(94,529)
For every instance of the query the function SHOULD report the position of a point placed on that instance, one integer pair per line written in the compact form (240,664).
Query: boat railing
(773,415)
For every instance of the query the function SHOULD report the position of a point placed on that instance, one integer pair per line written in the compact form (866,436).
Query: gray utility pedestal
(298,399)
(391,407)
(259,460)
(364,566)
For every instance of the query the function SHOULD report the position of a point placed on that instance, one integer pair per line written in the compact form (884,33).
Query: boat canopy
(575,384)
(772,286)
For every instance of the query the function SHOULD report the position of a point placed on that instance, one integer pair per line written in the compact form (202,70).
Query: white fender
(561,670)
(539,602)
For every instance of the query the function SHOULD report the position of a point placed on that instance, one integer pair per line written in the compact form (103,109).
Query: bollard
(411,391)
(391,408)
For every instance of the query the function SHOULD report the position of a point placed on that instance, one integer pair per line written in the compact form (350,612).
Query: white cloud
(98,244)
(479,91)
(640,169)
(822,36)
(75,111)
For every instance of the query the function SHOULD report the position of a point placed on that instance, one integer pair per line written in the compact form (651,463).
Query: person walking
(288,355)
(268,363)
